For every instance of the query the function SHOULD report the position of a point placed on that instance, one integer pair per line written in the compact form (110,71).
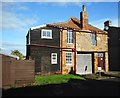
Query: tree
(17,53)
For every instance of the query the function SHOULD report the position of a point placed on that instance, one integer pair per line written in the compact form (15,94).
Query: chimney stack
(107,24)
(84,17)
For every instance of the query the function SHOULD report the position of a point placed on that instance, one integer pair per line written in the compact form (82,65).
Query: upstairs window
(68,58)
(53,58)
(47,34)
(69,36)
(94,40)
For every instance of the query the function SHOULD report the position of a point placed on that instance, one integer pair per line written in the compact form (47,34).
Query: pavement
(113,72)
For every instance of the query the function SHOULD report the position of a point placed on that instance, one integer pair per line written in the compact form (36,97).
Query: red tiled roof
(75,23)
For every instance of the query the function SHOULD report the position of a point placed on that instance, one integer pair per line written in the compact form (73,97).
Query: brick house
(70,46)
(113,45)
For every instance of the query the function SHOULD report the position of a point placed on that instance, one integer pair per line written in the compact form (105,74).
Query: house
(113,45)
(70,46)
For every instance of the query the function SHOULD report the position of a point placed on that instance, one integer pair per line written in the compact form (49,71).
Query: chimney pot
(83,8)
(107,24)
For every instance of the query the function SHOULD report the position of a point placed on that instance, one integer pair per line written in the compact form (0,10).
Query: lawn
(54,79)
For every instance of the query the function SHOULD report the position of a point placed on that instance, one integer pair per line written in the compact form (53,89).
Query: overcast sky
(18,17)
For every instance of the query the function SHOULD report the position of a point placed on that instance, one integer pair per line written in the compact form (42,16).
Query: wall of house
(65,44)
(114,48)
(95,62)
(106,62)
(66,68)
(84,44)
(42,55)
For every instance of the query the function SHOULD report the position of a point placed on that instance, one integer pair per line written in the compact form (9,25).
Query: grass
(55,79)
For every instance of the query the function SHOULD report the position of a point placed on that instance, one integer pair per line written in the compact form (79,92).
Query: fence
(17,72)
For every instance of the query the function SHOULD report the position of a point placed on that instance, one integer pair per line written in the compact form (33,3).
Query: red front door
(101,60)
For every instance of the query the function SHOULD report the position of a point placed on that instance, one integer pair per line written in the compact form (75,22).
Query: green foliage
(17,53)
(54,79)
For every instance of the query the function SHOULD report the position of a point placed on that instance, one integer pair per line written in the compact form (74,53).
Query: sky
(17,18)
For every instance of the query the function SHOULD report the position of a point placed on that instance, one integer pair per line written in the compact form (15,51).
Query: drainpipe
(61,48)
(74,52)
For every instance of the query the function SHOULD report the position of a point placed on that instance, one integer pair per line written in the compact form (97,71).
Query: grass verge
(54,79)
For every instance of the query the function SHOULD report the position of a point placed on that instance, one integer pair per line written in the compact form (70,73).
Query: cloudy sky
(17,17)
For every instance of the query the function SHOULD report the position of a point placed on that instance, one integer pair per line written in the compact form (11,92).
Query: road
(74,87)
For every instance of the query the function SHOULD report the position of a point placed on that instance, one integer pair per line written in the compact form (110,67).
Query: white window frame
(69,37)
(46,36)
(53,61)
(69,62)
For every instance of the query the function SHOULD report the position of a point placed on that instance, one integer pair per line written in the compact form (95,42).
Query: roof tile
(75,23)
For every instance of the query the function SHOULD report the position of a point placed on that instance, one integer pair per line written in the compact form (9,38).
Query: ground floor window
(68,58)
(53,58)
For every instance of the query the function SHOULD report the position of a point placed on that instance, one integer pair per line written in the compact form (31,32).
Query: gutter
(75,29)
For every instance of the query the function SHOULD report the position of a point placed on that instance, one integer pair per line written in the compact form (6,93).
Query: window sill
(69,43)
(68,64)
(54,63)
(46,38)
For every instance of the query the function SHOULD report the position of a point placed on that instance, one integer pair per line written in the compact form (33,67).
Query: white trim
(69,35)
(54,61)
(29,38)
(86,30)
(36,27)
(46,37)
(69,64)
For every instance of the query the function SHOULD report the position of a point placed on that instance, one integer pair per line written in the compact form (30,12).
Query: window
(94,40)
(46,34)
(68,58)
(69,36)
(100,55)
(53,58)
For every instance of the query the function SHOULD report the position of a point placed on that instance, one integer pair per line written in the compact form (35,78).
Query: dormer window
(46,34)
